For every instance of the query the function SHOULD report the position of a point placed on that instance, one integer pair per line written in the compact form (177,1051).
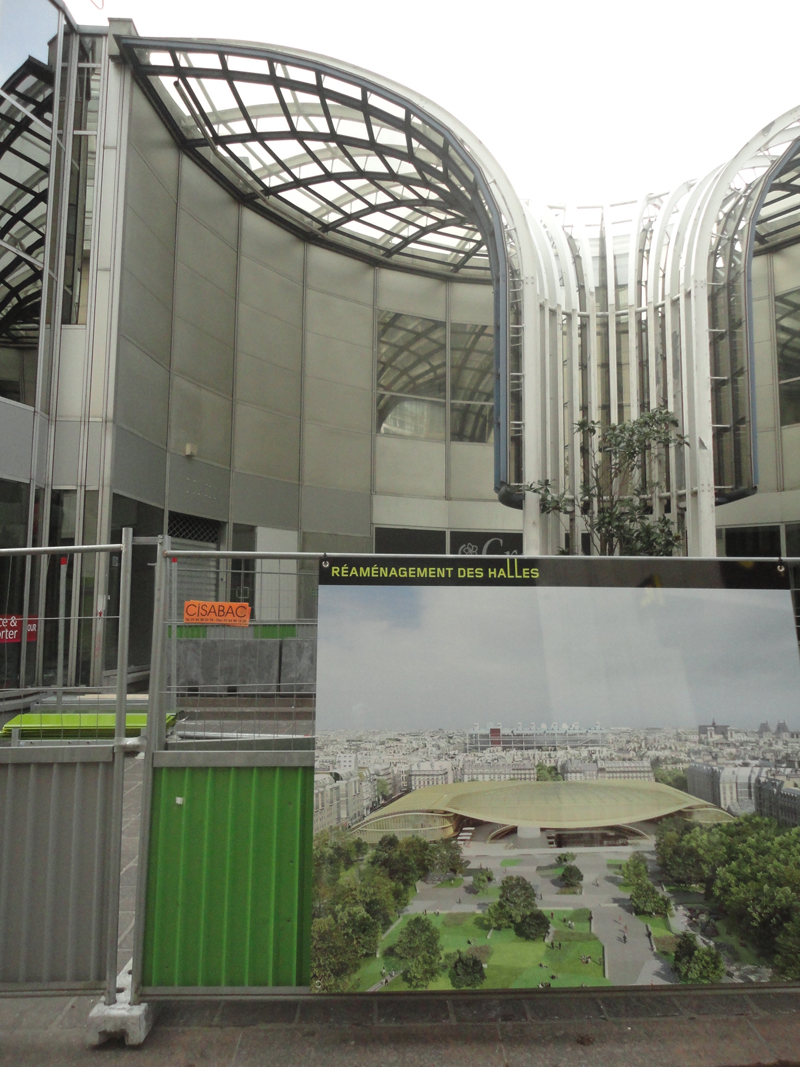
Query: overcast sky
(415,657)
(580,101)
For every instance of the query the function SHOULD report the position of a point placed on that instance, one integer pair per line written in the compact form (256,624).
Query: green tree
(334,958)
(360,928)
(419,947)
(787,943)
(566,857)
(672,776)
(465,971)
(533,926)
(399,863)
(481,880)
(517,899)
(420,852)
(634,870)
(382,789)
(621,484)
(447,858)
(646,899)
(373,891)
(697,963)
(545,773)
(571,876)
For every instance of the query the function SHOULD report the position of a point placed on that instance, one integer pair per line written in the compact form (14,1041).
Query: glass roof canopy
(327,153)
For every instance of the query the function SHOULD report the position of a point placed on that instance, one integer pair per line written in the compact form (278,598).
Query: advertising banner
(555,772)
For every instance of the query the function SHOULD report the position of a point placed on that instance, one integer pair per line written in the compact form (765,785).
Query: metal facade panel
(229,878)
(55,820)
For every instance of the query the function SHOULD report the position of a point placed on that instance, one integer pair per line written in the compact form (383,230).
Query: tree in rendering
(517,899)
(545,773)
(419,947)
(533,926)
(571,876)
(465,971)
(787,957)
(697,963)
(646,899)
(621,469)
(334,957)
(447,858)
(481,880)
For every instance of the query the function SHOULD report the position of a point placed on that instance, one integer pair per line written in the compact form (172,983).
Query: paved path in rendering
(630,962)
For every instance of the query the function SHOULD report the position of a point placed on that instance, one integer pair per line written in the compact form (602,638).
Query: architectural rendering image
(480,832)
(399,561)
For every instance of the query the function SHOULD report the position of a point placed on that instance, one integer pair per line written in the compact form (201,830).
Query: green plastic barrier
(47,725)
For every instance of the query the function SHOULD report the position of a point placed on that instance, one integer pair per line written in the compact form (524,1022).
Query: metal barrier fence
(61,785)
(224,891)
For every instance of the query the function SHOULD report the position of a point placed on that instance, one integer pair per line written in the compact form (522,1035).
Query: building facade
(255,298)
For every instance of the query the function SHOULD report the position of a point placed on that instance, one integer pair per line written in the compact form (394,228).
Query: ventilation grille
(192,528)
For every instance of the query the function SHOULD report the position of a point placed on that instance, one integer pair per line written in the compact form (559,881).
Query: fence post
(155,735)
(62,598)
(118,788)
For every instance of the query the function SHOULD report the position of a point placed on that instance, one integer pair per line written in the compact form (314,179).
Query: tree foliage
(545,773)
(571,876)
(355,902)
(481,880)
(447,857)
(646,899)
(419,947)
(787,943)
(697,963)
(566,857)
(382,789)
(533,926)
(750,867)
(465,970)
(517,899)
(621,466)
(672,776)
(334,958)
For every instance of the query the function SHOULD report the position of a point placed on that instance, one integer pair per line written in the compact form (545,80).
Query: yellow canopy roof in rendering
(555,805)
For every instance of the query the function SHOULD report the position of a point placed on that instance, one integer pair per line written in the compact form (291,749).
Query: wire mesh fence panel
(240,660)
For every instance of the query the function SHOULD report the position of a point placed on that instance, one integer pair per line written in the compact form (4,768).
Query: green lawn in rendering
(450,883)
(510,863)
(513,963)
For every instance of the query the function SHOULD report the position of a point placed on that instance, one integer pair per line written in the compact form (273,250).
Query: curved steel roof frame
(347,159)
(25,132)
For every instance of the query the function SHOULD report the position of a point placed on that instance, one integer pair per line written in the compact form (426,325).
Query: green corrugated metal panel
(229,877)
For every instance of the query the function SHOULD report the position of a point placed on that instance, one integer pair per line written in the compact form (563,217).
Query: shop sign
(216,613)
(11,628)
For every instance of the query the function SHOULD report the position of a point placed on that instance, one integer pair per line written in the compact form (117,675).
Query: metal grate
(193,528)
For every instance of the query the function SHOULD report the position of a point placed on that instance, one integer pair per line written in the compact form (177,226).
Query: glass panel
(787,323)
(471,362)
(790,402)
(753,541)
(472,422)
(402,416)
(411,355)
(13,529)
(414,542)
(79,230)
(27,28)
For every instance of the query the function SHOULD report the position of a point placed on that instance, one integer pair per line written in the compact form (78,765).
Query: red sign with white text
(11,626)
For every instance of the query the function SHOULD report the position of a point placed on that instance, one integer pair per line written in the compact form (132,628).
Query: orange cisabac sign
(216,613)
